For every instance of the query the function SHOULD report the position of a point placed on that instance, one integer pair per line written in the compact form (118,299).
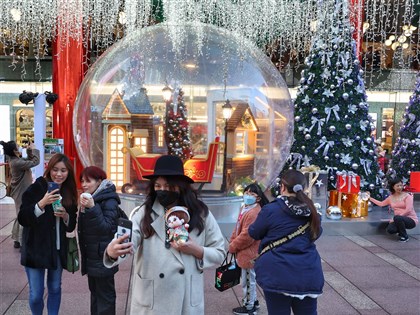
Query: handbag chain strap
(301,230)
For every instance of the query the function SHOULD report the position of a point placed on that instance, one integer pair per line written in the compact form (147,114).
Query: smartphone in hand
(124,227)
(53,186)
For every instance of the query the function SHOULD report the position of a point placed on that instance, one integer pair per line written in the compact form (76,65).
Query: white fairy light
(122,19)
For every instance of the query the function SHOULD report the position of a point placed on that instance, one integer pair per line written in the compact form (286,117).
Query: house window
(240,142)
(116,167)
(160,136)
(260,145)
(141,142)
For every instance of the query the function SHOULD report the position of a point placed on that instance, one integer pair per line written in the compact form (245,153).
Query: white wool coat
(166,281)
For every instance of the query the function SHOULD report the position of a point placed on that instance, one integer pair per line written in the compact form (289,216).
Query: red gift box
(415,181)
(348,183)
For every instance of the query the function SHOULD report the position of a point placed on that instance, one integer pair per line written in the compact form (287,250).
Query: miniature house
(242,134)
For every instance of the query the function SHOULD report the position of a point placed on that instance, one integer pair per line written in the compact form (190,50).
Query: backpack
(121,213)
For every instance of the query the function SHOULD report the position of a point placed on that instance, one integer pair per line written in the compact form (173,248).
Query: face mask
(249,200)
(167,197)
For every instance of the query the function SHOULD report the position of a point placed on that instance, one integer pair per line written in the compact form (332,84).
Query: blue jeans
(36,279)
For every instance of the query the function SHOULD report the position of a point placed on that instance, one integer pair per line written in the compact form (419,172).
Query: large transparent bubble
(120,103)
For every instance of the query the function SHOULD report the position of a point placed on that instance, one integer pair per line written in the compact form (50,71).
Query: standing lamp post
(227,113)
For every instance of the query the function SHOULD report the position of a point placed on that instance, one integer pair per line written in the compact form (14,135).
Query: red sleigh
(199,168)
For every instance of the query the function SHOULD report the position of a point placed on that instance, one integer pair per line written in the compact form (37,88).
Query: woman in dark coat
(98,221)
(290,274)
(44,242)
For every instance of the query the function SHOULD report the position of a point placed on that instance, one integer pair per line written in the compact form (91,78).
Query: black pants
(102,295)
(400,224)
(280,304)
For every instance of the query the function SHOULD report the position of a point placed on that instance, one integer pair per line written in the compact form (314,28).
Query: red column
(356,20)
(68,73)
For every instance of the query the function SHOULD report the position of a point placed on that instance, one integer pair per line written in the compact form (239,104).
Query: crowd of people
(274,242)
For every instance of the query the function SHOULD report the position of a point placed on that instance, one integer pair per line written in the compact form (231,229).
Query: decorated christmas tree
(177,129)
(406,153)
(332,127)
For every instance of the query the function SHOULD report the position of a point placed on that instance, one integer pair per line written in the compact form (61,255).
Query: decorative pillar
(40,126)
(68,73)
(356,20)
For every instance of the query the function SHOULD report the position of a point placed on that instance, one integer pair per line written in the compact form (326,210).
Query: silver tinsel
(279,26)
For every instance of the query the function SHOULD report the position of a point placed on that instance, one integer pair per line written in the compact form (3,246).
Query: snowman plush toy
(177,219)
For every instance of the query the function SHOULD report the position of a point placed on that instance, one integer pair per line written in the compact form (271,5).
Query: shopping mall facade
(388,96)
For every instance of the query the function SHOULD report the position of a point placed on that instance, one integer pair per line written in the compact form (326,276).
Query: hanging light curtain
(284,27)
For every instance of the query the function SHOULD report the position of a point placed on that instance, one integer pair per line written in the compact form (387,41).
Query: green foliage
(406,153)
(177,129)
(332,127)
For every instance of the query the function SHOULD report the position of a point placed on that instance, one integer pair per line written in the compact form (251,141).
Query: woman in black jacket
(44,242)
(97,225)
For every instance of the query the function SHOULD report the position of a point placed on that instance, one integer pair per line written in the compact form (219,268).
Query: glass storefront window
(387,132)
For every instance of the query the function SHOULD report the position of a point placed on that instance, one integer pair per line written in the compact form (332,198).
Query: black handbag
(228,274)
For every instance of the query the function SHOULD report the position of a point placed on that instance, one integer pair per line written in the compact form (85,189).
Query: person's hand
(190,247)
(86,202)
(31,146)
(117,247)
(49,198)
(61,213)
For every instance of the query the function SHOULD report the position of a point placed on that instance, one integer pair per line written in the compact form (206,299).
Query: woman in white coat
(168,277)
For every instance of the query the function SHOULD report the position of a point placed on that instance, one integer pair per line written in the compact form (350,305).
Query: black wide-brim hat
(169,165)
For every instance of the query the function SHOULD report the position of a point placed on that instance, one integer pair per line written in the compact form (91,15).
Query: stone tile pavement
(370,274)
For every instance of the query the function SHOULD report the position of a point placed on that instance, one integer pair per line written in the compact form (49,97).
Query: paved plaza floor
(365,273)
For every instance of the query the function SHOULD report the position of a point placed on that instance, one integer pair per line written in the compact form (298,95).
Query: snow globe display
(196,91)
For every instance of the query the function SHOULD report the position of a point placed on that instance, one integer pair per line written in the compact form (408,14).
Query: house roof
(115,106)
(240,110)
(139,104)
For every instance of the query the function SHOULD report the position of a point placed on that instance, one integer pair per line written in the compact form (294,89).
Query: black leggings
(400,224)
(280,304)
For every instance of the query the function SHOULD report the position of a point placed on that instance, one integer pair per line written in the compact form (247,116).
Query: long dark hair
(68,188)
(9,148)
(256,189)
(289,179)
(197,209)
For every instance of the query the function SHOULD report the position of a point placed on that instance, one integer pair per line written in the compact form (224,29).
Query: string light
(284,27)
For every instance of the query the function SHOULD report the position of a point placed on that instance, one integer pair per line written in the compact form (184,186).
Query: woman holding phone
(44,242)
(168,276)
